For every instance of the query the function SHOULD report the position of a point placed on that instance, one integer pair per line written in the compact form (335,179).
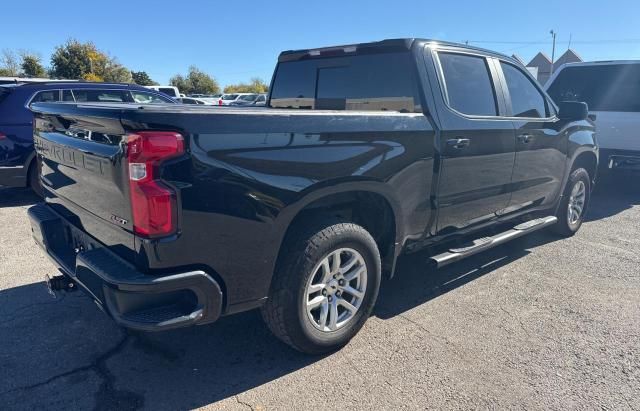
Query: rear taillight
(153,203)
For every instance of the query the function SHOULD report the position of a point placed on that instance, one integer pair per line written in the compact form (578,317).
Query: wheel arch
(370,205)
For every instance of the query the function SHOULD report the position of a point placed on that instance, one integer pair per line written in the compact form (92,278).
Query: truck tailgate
(85,177)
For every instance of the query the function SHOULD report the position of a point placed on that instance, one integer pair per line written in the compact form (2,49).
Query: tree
(114,72)
(9,65)
(32,66)
(75,60)
(196,81)
(256,85)
(142,78)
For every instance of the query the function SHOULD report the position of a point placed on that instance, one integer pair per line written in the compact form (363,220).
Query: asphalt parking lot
(539,323)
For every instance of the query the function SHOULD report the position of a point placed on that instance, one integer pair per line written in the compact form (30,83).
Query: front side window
(148,98)
(249,97)
(526,99)
(46,96)
(368,82)
(468,84)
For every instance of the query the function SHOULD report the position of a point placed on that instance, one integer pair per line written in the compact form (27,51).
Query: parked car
(191,100)
(250,100)
(170,91)
(227,99)
(18,167)
(612,91)
(365,152)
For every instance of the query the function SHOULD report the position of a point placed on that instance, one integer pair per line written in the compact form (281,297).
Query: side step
(485,243)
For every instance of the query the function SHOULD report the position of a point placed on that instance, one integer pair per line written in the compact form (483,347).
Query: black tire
(34,178)
(285,310)
(565,227)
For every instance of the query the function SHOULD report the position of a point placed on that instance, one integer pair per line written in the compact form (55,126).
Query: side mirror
(573,110)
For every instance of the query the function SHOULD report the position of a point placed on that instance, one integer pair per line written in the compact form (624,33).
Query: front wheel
(324,288)
(574,204)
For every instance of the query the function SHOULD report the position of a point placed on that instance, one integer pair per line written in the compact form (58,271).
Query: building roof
(569,56)
(540,60)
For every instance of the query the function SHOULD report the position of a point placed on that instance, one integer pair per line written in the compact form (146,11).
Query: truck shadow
(56,349)
(66,352)
(17,197)
(613,194)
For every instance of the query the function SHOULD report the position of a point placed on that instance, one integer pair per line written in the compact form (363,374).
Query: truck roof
(383,46)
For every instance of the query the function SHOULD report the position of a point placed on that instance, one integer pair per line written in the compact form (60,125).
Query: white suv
(612,91)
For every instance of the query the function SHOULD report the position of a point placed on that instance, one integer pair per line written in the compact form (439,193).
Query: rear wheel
(34,178)
(325,287)
(574,204)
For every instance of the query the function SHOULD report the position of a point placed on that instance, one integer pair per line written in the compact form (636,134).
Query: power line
(612,41)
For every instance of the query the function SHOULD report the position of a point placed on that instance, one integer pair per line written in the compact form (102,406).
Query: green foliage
(142,78)
(75,61)
(256,85)
(32,66)
(196,81)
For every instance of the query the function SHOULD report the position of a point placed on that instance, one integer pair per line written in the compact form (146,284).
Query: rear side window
(46,96)
(526,99)
(374,82)
(67,95)
(468,84)
(602,87)
(104,96)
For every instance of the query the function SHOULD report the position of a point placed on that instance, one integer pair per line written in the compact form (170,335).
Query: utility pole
(553,50)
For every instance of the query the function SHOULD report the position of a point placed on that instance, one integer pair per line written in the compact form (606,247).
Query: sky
(237,40)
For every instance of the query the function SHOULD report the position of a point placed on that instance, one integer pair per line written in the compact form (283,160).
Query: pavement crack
(246,404)
(107,397)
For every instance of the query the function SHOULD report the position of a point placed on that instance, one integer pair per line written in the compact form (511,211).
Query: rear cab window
(604,87)
(367,82)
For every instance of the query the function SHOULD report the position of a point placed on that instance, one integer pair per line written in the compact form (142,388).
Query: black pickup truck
(170,216)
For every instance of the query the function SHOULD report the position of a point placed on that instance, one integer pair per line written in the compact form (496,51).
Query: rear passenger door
(540,149)
(476,144)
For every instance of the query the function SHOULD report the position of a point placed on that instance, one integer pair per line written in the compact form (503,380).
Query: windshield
(229,96)
(168,90)
(610,87)
(249,97)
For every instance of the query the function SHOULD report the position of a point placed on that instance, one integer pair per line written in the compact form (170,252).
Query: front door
(477,145)
(540,149)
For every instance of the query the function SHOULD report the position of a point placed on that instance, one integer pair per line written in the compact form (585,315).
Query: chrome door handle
(525,138)
(458,143)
